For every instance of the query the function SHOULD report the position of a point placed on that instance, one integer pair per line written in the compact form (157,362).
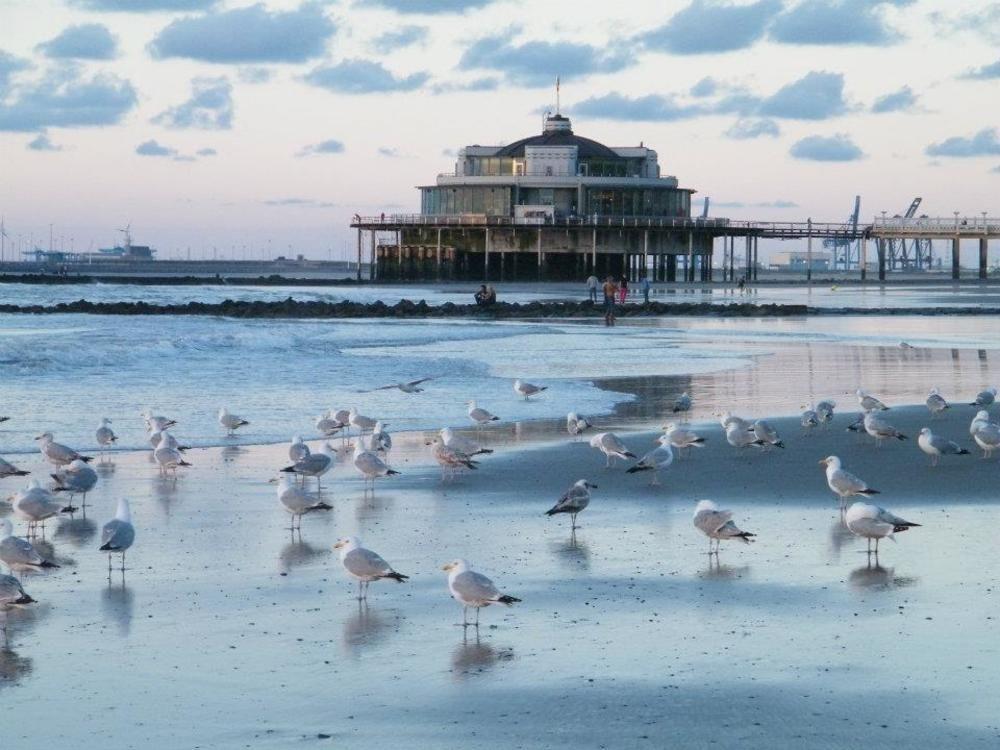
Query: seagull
(8,469)
(659,458)
(810,419)
(314,464)
(764,432)
(410,387)
(873,522)
(728,418)
(717,525)
(105,435)
(230,422)
(11,595)
(4,419)
(451,459)
(527,389)
(75,479)
(858,425)
(481,416)
(936,446)
(879,429)
(869,402)
(471,589)
(681,438)
(118,534)
(681,404)
(19,554)
(154,423)
(574,500)
(985,398)
(905,345)
(35,504)
(156,437)
(935,402)
(57,454)
(297,501)
(168,455)
(363,565)
(575,424)
(739,436)
(979,421)
(298,450)
(987,437)
(611,446)
(327,425)
(381,441)
(361,422)
(824,410)
(843,483)
(370,465)
(461,443)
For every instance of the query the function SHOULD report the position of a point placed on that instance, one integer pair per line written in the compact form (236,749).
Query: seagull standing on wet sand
(935,402)
(155,423)
(471,589)
(297,450)
(297,502)
(360,422)
(985,398)
(11,595)
(75,479)
(764,432)
(872,522)
(480,416)
(881,430)
(168,455)
(364,566)
(681,438)
(36,505)
(936,446)
(118,534)
(105,435)
(327,425)
(314,465)
(987,437)
(19,554)
(842,483)
(739,436)
(230,422)
(461,443)
(681,404)
(573,501)
(611,446)
(527,389)
(979,421)
(369,465)
(58,454)
(576,425)
(868,402)
(659,458)
(450,459)
(717,525)
(8,469)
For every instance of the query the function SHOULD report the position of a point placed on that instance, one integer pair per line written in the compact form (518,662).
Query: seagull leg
(572,522)
(465,616)
(479,608)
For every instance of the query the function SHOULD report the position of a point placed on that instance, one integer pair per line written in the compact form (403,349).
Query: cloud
(299,202)
(996,170)
(209,108)
(818,95)
(329,146)
(537,63)
(9,65)
(897,101)
(707,86)
(144,6)
(430,7)
(404,36)
(152,148)
(253,74)
(711,26)
(363,77)
(650,108)
(42,142)
(206,152)
(65,98)
(89,41)
(478,84)
(763,204)
(838,147)
(836,22)
(983,73)
(745,128)
(247,35)
(392,153)
(984,22)
(984,143)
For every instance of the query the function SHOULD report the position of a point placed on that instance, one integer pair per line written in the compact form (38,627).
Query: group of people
(486,295)
(615,292)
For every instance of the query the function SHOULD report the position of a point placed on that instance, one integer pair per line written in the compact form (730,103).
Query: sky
(252,129)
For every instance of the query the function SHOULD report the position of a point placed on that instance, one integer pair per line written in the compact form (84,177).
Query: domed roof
(558,132)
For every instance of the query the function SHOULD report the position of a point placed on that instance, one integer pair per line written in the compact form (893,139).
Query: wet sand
(227,633)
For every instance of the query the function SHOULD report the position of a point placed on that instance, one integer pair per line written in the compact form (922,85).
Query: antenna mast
(558,107)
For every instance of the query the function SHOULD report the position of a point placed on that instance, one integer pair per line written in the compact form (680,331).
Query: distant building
(798,260)
(129,252)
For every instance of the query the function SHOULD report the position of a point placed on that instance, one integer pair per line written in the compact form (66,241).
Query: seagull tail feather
(507,599)
(398,577)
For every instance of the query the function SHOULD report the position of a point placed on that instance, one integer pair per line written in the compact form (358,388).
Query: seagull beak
(446,567)
(822,462)
(338,545)
(592,486)
(39,437)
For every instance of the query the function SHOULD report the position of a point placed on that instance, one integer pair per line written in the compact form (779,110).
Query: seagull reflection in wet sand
(472,657)
(297,553)
(369,626)
(118,603)
(874,576)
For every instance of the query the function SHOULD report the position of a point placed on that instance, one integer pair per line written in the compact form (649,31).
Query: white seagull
(611,446)
(7,469)
(869,402)
(56,453)
(360,421)
(739,436)
(574,500)
(461,443)
(19,554)
(36,505)
(105,435)
(369,465)
(450,459)
(681,438)
(480,416)
(314,464)
(659,458)
(363,565)
(935,402)
(471,589)
(987,437)
(979,421)
(985,398)
(881,430)
(327,425)
(297,450)
(230,422)
(843,483)
(409,387)
(717,525)
(75,479)
(873,522)
(527,389)
(118,534)
(11,595)
(155,423)
(681,404)
(767,434)
(575,424)
(936,446)
(297,502)
(168,455)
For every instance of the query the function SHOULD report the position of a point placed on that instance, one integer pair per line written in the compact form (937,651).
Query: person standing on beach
(644,285)
(592,283)
(623,289)
(610,292)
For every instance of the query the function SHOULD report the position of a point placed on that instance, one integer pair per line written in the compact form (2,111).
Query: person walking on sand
(644,285)
(610,292)
(491,295)
(623,289)
(742,284)
(592,284)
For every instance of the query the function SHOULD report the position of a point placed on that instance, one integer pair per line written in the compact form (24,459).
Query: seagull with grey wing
(824,410)
(521,388)
(19,554)
(364,566)
(471,589)
(717,525)
(936,446)
(118,534)
(985,398)
(7,469)
(935,402)
(611,446)
(36,505)
(412,386)
(880,429)
(11,595)
(987,437)
(58,454)
(104,435)
(297,502)
(842,483)
(661,457)
(868,402)
(314,464)
(767,434)
(573,501)
(872,522)
(230,422)
(75,479)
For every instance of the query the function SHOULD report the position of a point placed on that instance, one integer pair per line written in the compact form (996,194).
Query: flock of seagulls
(72,475)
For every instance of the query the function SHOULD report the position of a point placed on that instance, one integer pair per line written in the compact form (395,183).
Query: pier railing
(962,226)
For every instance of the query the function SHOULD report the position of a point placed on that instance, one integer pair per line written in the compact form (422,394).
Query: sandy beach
(627,635)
